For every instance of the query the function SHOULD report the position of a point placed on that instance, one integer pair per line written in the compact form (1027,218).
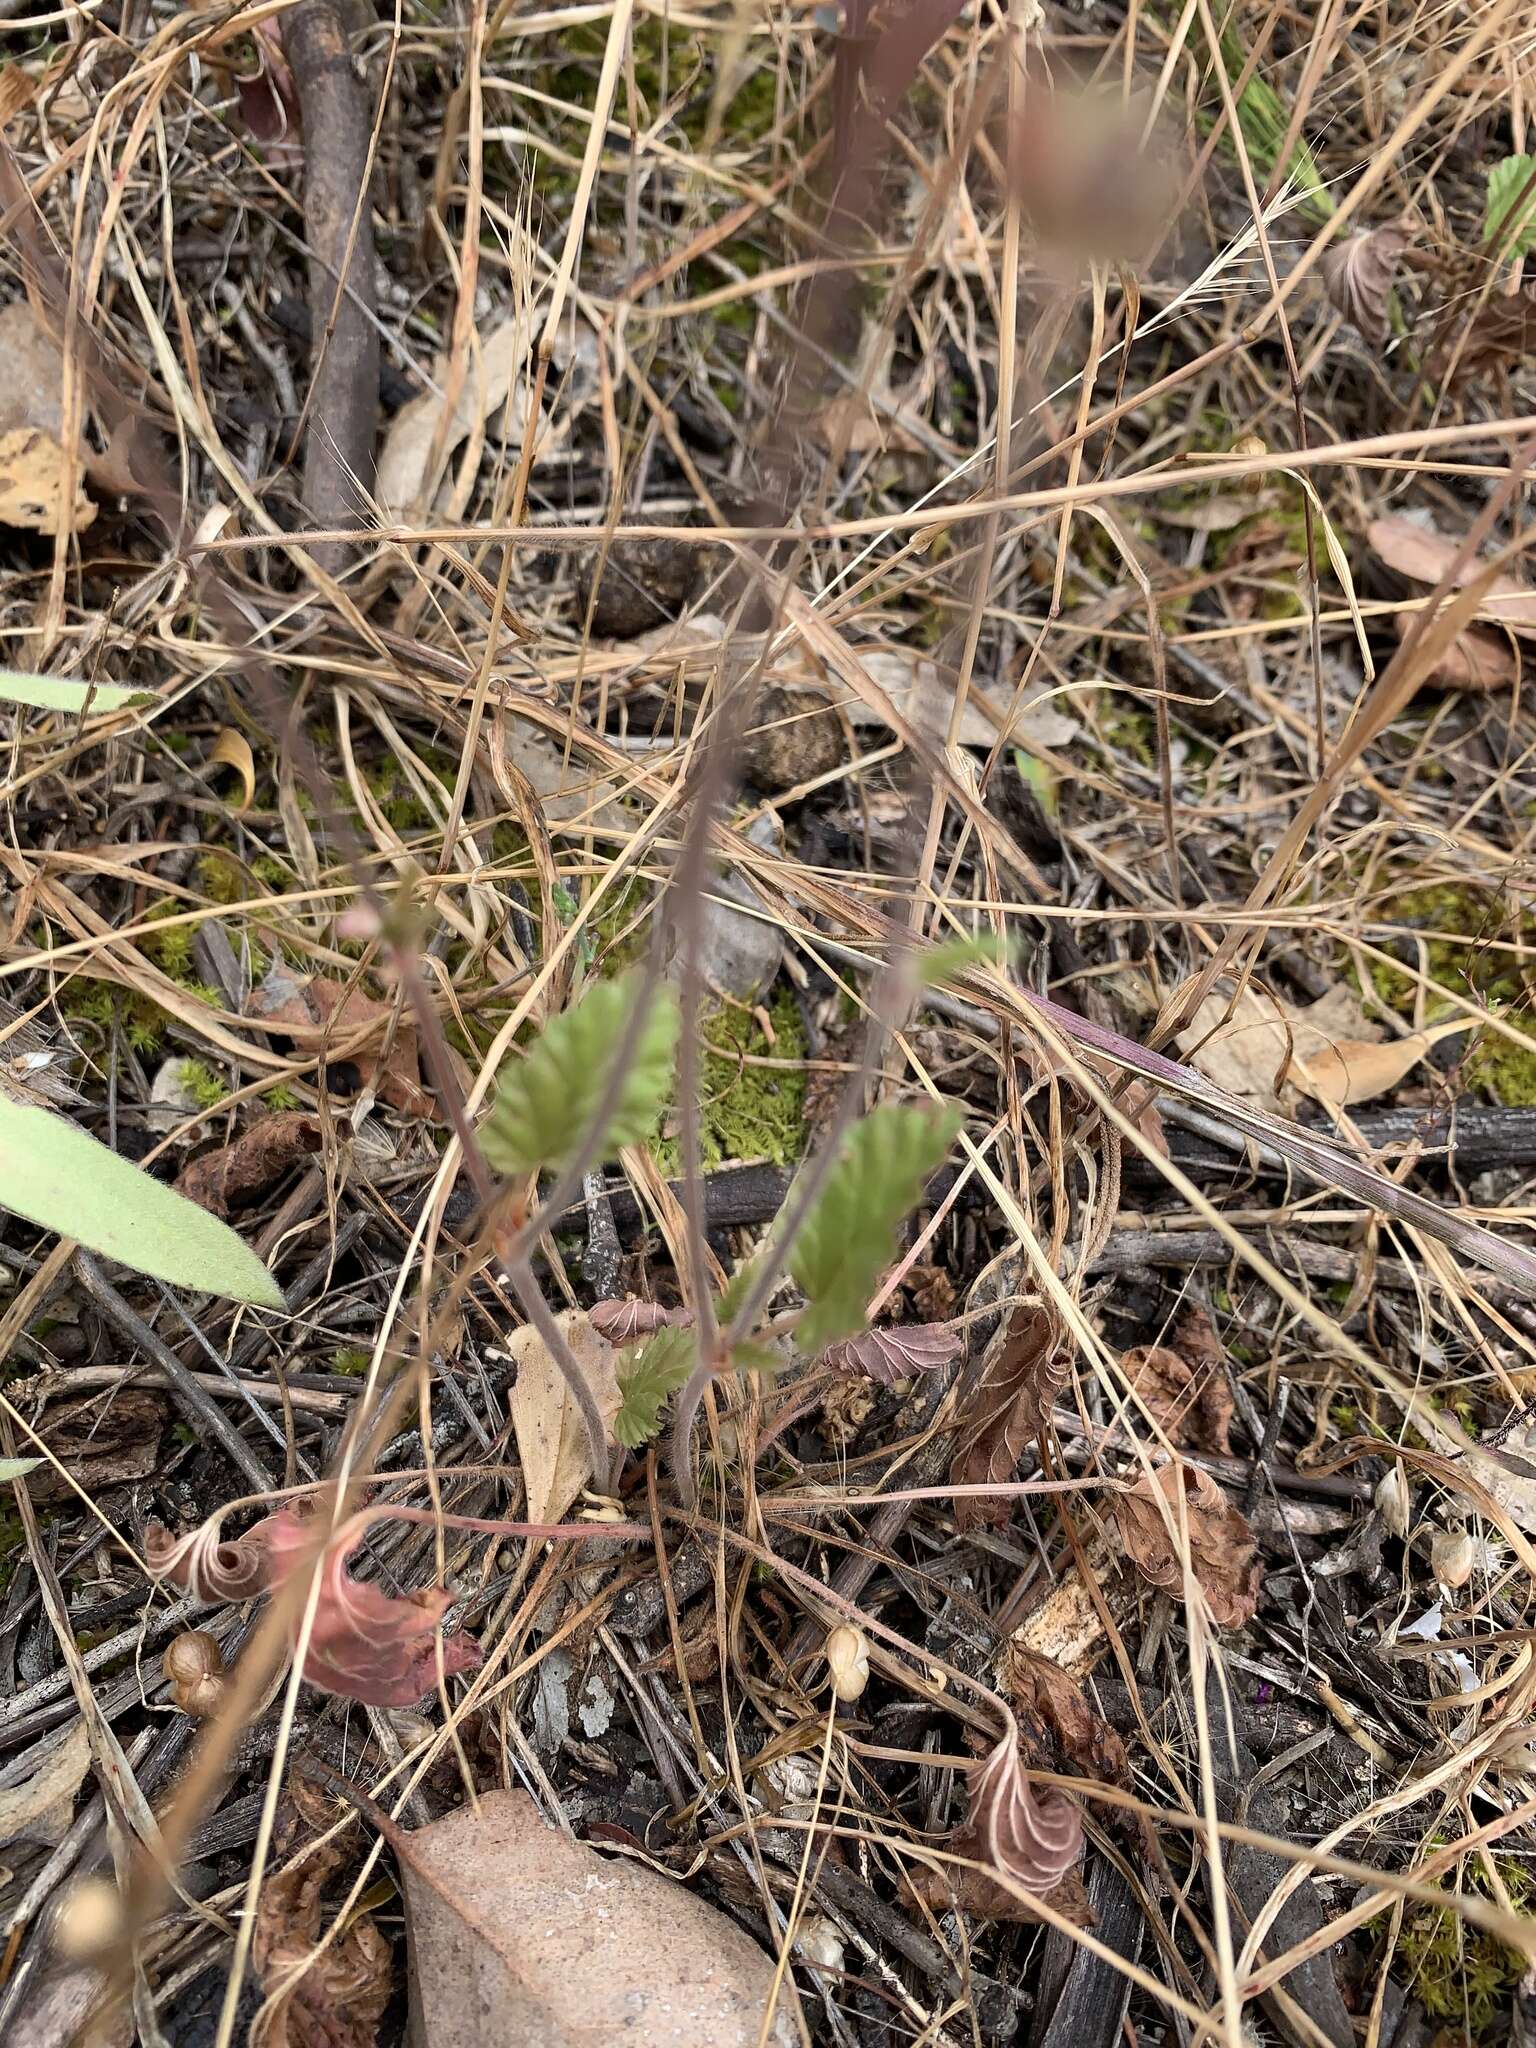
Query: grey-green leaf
(1507,181)
(547,1103)
(849,1238)
(58,1177)
(59,693)
(17,1468)
(657,1372)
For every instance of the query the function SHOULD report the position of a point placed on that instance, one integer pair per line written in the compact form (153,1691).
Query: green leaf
(661,1370)
(1515,236)
(59,1177)
(17,1468)
(952,956)
(750,1356)
(849,1238)
(57,693)
(546,1104)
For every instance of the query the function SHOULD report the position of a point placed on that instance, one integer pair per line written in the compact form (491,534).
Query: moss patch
(749,1112)
(1464,1976)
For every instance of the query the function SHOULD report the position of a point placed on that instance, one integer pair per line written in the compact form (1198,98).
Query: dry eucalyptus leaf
(1360,273)
(32,467)
(1424,556)
(1477,659)
(551,1437)
(1222,1552)
(521,1937)
(42,1806)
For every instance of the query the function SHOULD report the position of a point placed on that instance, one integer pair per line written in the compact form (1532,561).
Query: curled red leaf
(364,1644)
(1031,1837)
(895,1354)
(1222,1552)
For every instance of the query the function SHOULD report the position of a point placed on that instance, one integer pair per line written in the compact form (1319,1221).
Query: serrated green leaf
(659,1371)
(60,1178)
(1509,220)
(17,1468)
(849,1238)
(58,693)
(952,956)
(546,1104)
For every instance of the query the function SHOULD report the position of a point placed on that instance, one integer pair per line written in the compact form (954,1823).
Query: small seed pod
(1246,447)
(1452,1556)
(90,1919)
(195,1668)
(847,1654)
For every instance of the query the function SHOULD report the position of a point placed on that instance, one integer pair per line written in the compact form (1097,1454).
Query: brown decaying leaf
(1012,1407)
(622,1322)
(242,1171)
(520,1934)
(1359,275)
(1502,334)
(1424,556)
(1184,1385)
(896,1353)
(31,470)
(1222,1552)
(1264,1051)
(1478,659)
(1055,1715)
(364,1644)
(324,1016)
(340,1998)
(1033,1837)
(956,1889)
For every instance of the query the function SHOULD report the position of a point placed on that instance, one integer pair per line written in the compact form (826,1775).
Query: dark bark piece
(1252,1876)
(338,227)
(1082,2000)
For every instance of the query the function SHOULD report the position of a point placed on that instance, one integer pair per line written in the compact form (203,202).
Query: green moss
(102,1003)
(280,1097)
(748,1111)
(1461,951)
(202,1085)
(1463,1975)
(1507,1071)
(220,876)
(13,1545)
(351,1360)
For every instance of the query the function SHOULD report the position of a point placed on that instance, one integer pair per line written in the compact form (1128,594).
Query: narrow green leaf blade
(547,1102)
(850,1235)
(17,1468)
(952,956)
(59,693)
(1507,180)
(58,1177)
(660,1370)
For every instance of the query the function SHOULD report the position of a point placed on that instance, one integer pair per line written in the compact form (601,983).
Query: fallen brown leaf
(622,1322)
(242,1171)
(1011,1408)
(1197,1343)
(1424,556)
(1477,659)
(1032,1836)
(1184,1384)
(518,1934)
(1222,1553)
(551,1437)
(1264,1051)
(32,394)
(338,2000)
(1502,334)
(325,1017)
(1360,273)
(233,750)
(956,1889)
(895,1353)
(31,473)
(1055,1715)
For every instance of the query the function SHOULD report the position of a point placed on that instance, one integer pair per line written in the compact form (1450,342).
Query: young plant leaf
(952,956)
(546,1104)
(17,1468)
(1509,216)
(59,693)
(657,1372)
(850,1235)
(58,1177)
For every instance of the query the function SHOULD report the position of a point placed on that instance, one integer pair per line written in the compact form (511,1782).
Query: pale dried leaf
(624,1322)
(1424,556)
(233,750)
(32,393)
(1222,1553)
(520,1934)
(1033,1837)
(32,466)
(42,1806)
(496,376)
(895,1353)
(551,1437)
(1478,659)
(338,1021)
(1360,273)
(1265,1052)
